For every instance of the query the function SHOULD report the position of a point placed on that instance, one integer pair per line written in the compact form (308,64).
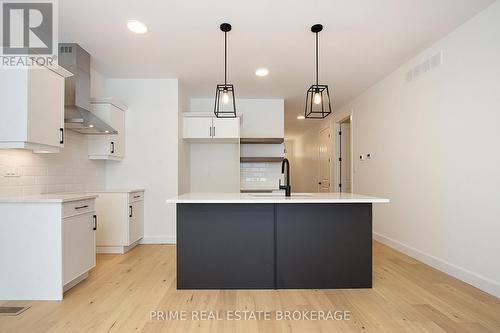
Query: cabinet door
(101,146)
(226,128)
(78,237)
(108,146)
(197,128)
(45,107)
(136,221)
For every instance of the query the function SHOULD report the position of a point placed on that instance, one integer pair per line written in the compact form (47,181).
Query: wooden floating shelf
(261,159)
(261,140)
(257,191)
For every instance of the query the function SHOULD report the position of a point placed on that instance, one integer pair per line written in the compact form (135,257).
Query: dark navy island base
(274,245)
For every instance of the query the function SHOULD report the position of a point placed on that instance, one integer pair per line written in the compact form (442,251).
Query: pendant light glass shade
(318,101)
(225,105)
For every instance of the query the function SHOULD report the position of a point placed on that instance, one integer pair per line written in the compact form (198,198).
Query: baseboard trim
(116,249)
(158,240)
(485,284)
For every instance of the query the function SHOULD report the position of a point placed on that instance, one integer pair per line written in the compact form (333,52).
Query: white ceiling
(362,41)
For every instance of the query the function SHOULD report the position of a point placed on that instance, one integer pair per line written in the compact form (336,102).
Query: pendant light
(225,106)
(318,97)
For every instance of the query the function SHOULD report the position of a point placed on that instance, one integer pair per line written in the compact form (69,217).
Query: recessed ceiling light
(301,117)
(91,125)
(262,72)
(137,27)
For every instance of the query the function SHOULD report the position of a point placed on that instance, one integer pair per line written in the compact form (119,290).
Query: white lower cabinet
(78,245)
(121,220)
(47,246)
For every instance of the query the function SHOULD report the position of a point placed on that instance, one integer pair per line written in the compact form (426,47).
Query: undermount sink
(274,195)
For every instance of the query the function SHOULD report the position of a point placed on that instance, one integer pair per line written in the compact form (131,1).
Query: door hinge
(340,185)
(340,133)
(340,159)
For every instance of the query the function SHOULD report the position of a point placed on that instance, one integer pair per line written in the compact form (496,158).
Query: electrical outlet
(11,172)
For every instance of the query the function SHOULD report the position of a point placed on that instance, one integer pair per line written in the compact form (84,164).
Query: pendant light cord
(317,70)
(225,58)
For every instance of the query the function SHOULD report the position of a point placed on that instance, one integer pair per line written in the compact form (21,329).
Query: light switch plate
(11,172)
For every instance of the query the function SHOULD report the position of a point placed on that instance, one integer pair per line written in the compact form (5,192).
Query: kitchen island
(269,241)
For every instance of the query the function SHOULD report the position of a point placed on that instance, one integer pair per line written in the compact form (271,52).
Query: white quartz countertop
(49,198)
(274,198)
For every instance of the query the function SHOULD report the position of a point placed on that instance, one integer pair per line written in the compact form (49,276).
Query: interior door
(324,160)
(345,157)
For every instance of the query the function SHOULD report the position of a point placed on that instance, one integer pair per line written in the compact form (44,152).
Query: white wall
(434,143)
(215,168)
(151,159)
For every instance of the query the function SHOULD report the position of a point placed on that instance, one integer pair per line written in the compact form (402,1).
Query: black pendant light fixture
(318,97)
(225,106)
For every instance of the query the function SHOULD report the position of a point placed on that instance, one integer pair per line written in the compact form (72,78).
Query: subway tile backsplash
(260,176)
(68,171)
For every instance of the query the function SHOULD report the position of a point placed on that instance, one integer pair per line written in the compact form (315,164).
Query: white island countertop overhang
(275,198)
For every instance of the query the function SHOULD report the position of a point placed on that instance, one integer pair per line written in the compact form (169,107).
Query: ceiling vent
(425,66)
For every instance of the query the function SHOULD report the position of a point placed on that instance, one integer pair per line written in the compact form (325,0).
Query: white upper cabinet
(227,128)
(197,128)
(32,108)
(211,129)
(108,147)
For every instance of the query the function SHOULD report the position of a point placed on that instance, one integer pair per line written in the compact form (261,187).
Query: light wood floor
(407,296)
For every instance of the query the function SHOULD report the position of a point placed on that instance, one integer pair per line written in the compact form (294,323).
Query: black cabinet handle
(210,131)
(130,211)
(95,222)
(136,196)
(214,131)
(112,147)
(61,130)
(81,207)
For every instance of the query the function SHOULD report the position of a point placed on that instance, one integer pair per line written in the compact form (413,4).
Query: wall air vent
(425,66)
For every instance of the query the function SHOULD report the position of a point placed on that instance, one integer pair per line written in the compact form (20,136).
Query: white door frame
(337,136)
(329,129)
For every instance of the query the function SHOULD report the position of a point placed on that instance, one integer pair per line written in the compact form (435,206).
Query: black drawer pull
(130,211)
(95,222)
(136,196)
(81,207)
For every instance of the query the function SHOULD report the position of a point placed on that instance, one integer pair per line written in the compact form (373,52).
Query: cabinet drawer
(136,196)
(77,207)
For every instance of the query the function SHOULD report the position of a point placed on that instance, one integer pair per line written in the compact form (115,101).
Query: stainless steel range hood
(77,116)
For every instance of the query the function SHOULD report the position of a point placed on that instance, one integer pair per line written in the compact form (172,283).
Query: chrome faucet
(286,187)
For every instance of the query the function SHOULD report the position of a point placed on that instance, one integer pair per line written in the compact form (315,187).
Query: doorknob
(319,183)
